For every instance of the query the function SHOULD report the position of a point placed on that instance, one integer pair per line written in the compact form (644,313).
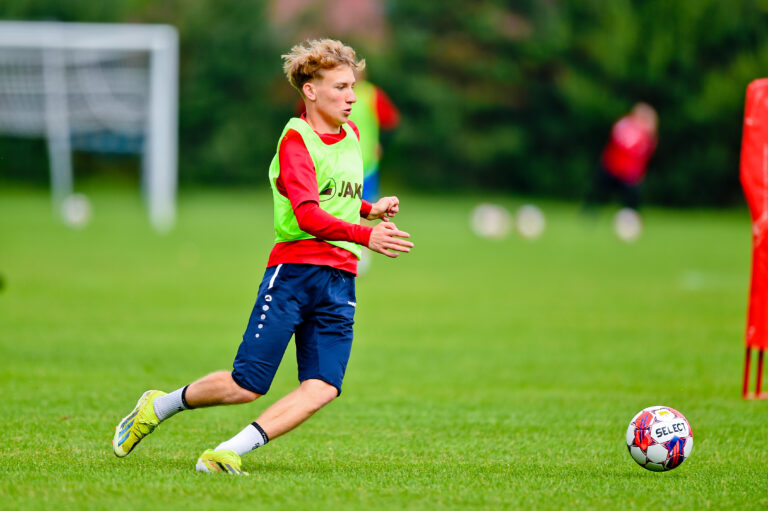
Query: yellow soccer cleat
(225,462)
(136,425)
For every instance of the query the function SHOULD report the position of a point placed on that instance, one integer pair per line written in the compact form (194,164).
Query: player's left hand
(384,209)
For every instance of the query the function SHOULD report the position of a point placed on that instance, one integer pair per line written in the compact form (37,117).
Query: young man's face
(332,94)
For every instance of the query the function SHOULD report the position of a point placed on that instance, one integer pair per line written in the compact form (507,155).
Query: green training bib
(339,169)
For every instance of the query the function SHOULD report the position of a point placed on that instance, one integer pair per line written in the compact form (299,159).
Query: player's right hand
(384,209)
(386,237)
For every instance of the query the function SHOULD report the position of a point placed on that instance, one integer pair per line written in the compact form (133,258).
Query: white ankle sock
(247,440)
(170,404)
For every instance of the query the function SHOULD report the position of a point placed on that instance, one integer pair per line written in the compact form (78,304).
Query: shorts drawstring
(338,274)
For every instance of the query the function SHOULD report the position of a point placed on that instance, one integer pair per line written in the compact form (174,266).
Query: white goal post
(110,88)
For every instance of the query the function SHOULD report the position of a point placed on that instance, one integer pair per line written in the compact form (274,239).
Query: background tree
(518,98)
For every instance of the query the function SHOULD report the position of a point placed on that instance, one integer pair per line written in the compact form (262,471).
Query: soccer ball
(76,210)
(627,225)
(659,438)
(530,221)
(490,221)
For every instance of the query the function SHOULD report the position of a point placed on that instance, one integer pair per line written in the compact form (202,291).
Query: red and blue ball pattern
(659,438)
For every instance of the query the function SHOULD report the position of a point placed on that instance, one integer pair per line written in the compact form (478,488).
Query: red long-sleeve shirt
(629,149)
(386,111)
(298,182)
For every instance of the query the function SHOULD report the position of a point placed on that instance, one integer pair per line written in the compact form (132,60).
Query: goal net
(109,88)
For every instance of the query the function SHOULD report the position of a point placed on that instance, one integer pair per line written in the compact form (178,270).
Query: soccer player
(625,158)
(374,115)
(308,289)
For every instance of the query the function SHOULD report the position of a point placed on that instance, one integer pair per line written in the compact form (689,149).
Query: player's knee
(318,393)
(237,393)
(245,395)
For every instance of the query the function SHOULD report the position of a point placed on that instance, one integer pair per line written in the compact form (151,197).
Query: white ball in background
(530,221)
(490,221)
(76,210)
(627,225)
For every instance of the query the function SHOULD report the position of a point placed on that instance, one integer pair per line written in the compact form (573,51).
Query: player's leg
(276,315)
(598,192)
(296,407)
(323,344)
(155,406)
(631,196)
(258,358)
(255,366)
(216,389)
(280,418)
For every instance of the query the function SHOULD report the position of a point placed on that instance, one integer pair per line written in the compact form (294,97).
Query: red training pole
(753,173)
(747,360)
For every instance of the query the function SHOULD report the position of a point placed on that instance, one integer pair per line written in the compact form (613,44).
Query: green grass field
(485,374)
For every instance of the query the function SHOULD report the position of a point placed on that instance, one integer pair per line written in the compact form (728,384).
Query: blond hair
(305,60)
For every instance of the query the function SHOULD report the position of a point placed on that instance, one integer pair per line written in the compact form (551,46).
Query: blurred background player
(375,115)
(625,158)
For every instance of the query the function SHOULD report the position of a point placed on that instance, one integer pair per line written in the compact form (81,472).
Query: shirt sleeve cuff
(365,209)
(361,234)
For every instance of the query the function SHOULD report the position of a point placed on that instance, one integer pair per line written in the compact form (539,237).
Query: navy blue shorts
(314,303)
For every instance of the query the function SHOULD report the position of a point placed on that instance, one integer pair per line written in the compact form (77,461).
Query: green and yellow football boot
(136,425)
(225,462)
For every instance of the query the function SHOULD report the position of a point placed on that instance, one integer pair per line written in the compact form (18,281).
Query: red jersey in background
(631,146)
